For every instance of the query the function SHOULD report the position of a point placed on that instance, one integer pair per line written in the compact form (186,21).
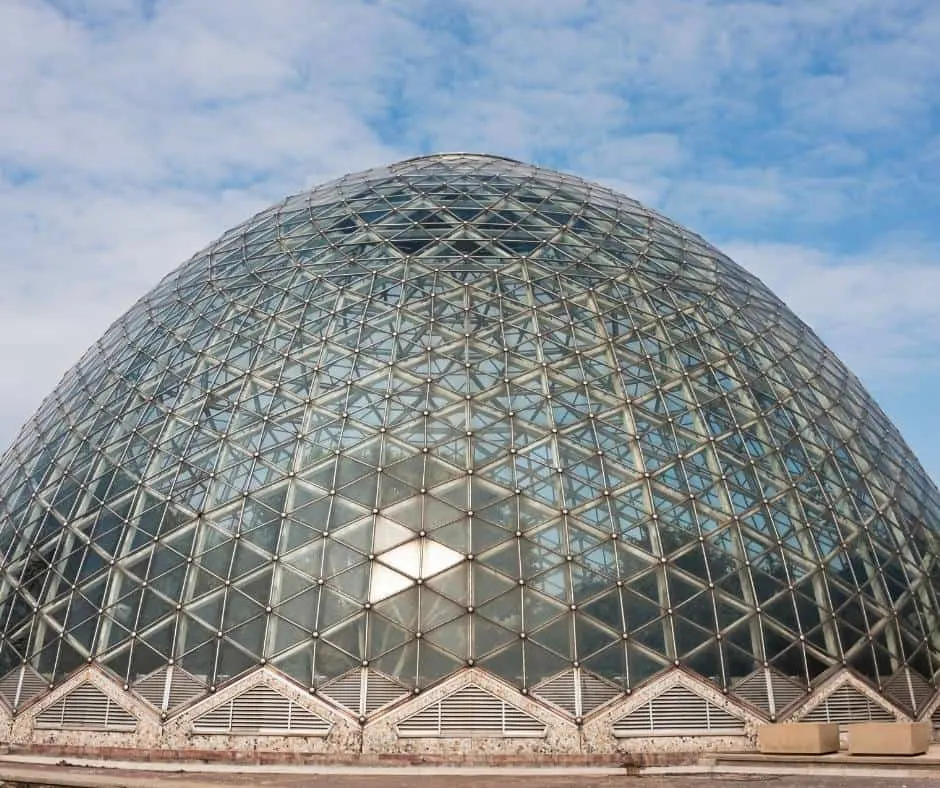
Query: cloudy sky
(800,136)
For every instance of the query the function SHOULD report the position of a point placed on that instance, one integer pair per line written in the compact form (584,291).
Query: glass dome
(464,411)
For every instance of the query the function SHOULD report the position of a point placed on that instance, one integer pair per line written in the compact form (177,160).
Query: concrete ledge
(889,738)
(187,758)
(799,738)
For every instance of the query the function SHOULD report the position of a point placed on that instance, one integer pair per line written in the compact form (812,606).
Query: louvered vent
(678,712)
(169,688)
(909,689)
(471,711)
(86,708)
(576,692)
(595,692)
(935,718)
(152,688)
(10,687)
(184,687)
(261,711)
(381,691)
(768,690)
(363,691)
(21,685)
(559,691)
(847,705)
(346,690)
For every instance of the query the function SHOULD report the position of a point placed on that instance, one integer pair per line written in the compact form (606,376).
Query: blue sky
(801,137)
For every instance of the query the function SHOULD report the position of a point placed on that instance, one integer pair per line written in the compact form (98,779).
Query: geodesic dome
(463,411)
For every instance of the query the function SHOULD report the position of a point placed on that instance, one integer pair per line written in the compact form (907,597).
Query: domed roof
(463,410)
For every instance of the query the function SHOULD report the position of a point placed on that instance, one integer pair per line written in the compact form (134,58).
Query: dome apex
(458,155)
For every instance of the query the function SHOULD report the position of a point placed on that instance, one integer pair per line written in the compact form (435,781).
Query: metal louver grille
(363,691)
(168,688)
(576,692)
(595,692)
(471,711)
(152,688)
(768,690)
(935,718)
(184,687)
(346,690)
(785,691)
(909,689)
(263,711)
(21,685)
(86,708)
(10,687)
(381,691)
(559,691)
(753,689)
(847,705)
(678,712)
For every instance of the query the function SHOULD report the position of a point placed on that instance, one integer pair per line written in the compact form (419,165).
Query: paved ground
(112,778)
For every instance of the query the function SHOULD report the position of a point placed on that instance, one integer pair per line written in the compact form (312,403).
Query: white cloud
(879,312)
(134,133)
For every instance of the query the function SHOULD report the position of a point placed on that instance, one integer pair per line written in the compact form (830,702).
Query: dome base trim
(538,729)
(458,412)
(550,735)
(609,730)
(845,698)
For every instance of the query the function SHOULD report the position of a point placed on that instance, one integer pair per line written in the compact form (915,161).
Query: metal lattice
(463,409)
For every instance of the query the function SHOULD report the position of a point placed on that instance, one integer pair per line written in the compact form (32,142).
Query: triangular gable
(850,701)
(86,708)
(595,692)
(261,710)
(931,711)
(678,711)
(471,711)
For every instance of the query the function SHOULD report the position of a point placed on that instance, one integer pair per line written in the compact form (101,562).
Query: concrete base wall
(561,734)
(598,730)
(377,739)
(175,734)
